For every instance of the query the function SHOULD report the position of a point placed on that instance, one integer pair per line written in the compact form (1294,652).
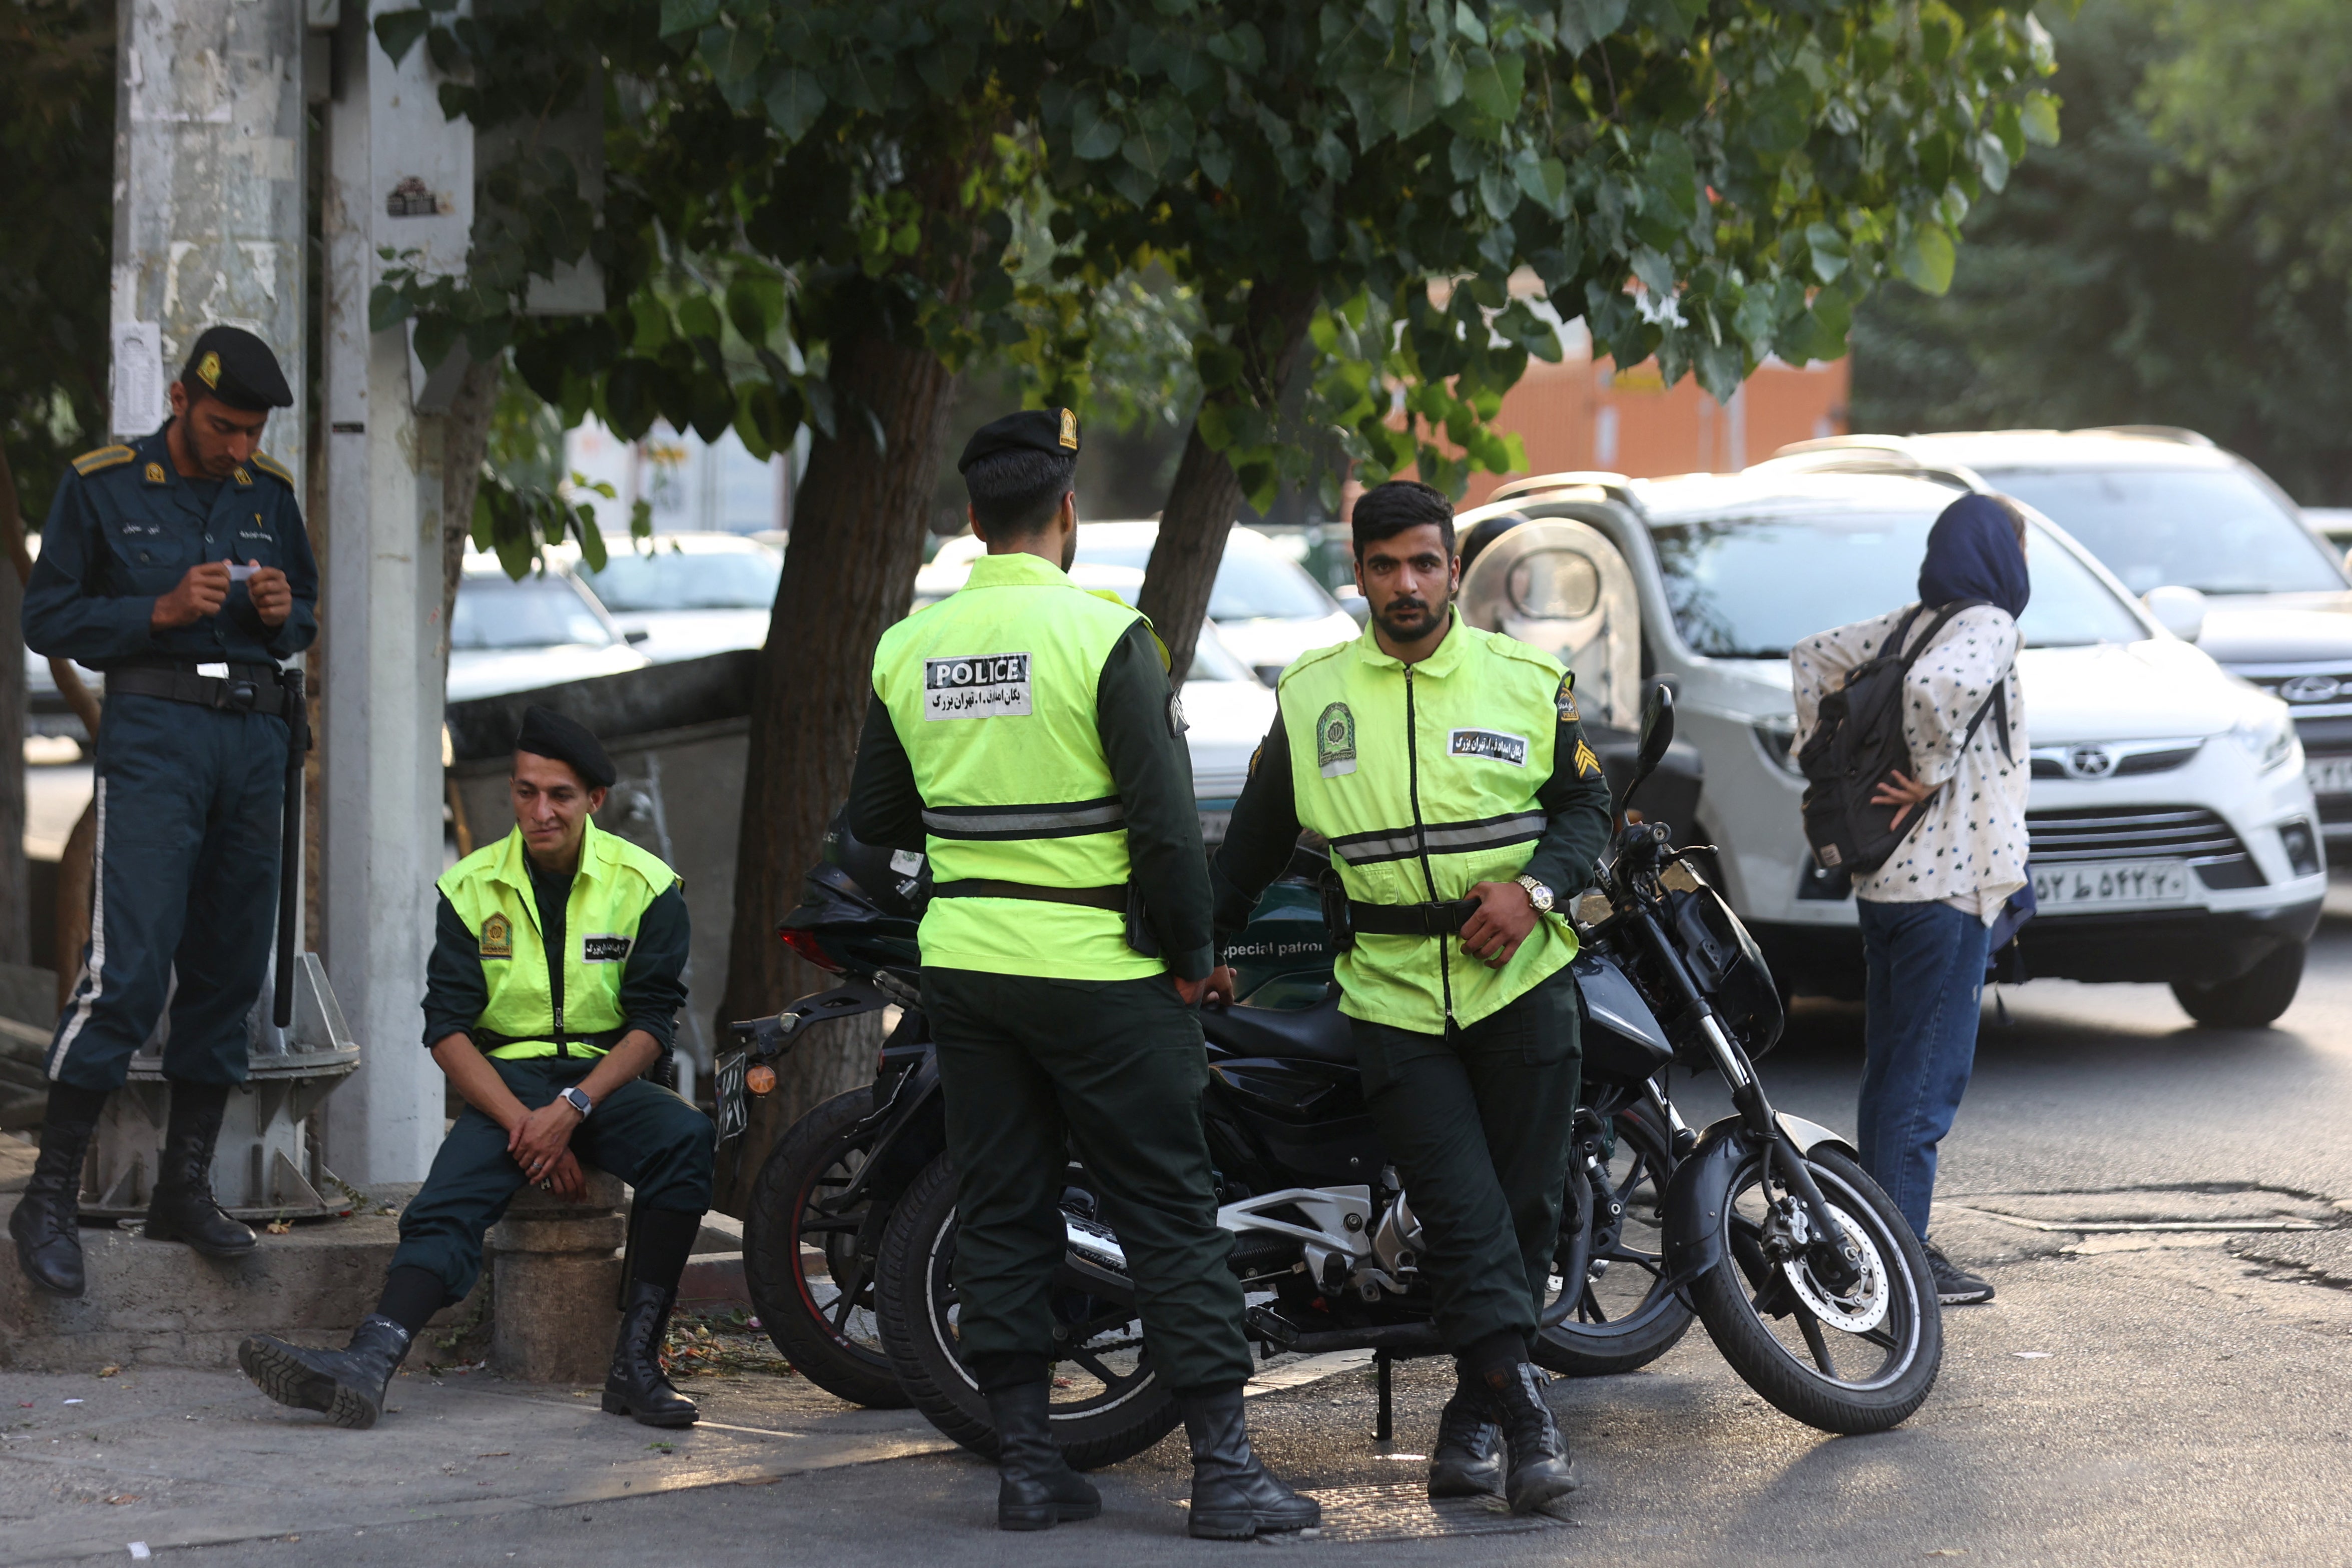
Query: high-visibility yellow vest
(1424,779)
(991,693)
(490,890)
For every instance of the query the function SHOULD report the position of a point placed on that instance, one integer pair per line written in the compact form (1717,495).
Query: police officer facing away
(555,980)
(1447,770)
(178,565)
(1023,733)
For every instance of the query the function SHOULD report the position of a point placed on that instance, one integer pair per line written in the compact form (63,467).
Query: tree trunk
(849,570)
(1207,493)
(465,439)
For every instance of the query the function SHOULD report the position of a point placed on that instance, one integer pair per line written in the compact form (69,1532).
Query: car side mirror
(2179,610)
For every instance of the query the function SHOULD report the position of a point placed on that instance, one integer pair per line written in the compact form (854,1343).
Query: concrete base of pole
(559,1284)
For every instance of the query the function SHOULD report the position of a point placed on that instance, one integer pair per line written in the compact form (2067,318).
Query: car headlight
(2268,738)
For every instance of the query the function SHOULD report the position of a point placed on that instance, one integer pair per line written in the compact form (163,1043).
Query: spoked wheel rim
(835,1284)
(1626,1274)
(1101,1363)
(1865,1337)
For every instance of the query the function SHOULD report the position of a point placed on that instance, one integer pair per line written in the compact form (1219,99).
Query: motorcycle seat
(1319,1033)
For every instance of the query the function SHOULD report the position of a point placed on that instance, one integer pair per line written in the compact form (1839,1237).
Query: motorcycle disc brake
(1857,1310)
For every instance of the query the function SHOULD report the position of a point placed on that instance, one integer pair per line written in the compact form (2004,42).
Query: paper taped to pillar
(420,187)
(209,210)
(1558,584)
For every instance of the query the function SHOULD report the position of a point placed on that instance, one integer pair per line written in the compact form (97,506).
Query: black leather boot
(636,1386)
(46,1223)
(182,1208)
(1540,1468)
(1234,1496)
(347,1386)
(1035,1487)
(1467,1462)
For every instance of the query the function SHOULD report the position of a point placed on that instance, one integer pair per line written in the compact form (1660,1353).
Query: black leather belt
(247,688)
(1444,919)
(1113,899)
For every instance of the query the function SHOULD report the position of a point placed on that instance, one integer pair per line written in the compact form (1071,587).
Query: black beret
(233,365)
(547,733)
(1052,430)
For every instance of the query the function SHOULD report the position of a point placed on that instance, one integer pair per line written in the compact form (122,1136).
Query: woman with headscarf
(1925,913)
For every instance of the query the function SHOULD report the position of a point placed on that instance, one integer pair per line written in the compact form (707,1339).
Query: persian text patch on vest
(992,686)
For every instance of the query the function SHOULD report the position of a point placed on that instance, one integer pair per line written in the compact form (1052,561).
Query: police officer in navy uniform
(178,565)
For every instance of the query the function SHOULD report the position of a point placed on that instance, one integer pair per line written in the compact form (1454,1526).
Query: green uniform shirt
(1425,779)
(1023,730)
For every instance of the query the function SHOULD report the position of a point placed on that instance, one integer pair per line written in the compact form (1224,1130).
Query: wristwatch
(1537,894)
(580,1103)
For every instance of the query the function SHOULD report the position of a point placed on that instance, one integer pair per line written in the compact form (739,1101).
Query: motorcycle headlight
(2268,738)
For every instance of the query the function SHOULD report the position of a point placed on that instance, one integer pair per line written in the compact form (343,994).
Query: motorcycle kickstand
(1384,1424)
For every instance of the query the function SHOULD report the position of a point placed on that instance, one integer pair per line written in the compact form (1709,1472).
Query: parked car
(1229,709)
(2217,551)
(1269,611)
(2172,830)
(509,636)
(690,593)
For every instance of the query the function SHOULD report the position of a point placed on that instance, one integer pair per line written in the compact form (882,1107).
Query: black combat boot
(1235,1496)
(347,1386)
(182,1208)
(636,1386)
(1540,1468)
(1035,1487)
(47,1222)
(1468,1463)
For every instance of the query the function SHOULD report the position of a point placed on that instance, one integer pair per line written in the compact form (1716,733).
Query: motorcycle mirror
(1657,734)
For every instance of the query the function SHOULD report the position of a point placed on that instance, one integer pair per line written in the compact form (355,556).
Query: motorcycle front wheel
(1848,1361)
(1107,1402)
(813,1292)
(1626,1317)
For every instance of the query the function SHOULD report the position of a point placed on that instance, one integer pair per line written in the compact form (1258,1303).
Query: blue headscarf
(1973,553)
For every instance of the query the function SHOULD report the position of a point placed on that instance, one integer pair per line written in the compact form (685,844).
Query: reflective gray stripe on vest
(1053,820)
(1442,838)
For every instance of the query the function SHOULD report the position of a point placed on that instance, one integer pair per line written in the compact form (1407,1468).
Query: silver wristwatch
(1537,894)
(577,1101)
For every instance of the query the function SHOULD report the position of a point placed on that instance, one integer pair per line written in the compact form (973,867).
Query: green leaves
(1926,258)
(793,101)
(398,31)
(2040,115)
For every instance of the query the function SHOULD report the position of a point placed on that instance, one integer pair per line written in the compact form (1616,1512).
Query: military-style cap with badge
(1054,432)
(233,365)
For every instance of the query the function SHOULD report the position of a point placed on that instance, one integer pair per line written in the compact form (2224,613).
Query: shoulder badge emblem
(1177,725)
(1335,741)
(1587,764)
(105,457)
(154,472)
(1565,700)
(208,369)
(244,479)
(497,938)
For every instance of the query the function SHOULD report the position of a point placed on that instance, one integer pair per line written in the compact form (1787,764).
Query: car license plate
(2329,775)
(2109,884)
(734,1115)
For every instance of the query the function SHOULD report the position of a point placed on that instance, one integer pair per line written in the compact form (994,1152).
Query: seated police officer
(1447,770)
(554,984)
(177,564)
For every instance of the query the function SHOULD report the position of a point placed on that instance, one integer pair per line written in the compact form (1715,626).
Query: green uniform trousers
(1036,1071)
(1478,1123)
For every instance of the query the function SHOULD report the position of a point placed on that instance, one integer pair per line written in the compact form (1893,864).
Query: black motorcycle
(859,1195)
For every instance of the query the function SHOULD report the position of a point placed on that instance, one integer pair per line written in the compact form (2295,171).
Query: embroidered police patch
(1177,724)
(1335,741)
(1587,764)
(1488,743)
(604,950)
(995,686)
(1565,700)
(497,938)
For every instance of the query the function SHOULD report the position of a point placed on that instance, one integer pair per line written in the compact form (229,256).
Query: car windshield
(679,580)
(2219,531)
(1253,583)
(1751,588)
(537,612)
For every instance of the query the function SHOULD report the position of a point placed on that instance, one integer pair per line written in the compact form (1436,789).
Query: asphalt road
(2132,1396)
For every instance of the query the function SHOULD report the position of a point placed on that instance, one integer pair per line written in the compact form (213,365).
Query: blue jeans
(1926,965)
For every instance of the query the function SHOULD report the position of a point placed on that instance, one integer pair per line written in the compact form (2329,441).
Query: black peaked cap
(547,733)
(1052,430)
(233,365)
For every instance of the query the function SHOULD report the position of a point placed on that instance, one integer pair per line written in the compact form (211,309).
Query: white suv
(2173,835)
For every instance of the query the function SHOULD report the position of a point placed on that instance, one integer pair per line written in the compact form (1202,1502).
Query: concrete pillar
(398,176)
(554,1306)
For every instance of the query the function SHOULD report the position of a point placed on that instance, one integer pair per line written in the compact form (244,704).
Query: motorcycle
(1326,1243)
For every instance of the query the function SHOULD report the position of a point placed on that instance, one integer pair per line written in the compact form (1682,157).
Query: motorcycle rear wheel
(1107,1403)
(1626,1318)
(813,1292)
(1759,1317)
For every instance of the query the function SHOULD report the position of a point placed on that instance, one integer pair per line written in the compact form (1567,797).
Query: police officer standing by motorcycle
(1024,733)
(1447,771)
(178,565)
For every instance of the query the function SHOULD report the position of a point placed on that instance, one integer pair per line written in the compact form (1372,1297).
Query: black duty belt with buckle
(1443,919)
(1113,899)
(243,688)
